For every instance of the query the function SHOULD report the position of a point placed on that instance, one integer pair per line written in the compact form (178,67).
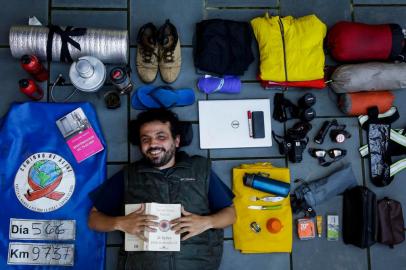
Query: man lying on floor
(165,175)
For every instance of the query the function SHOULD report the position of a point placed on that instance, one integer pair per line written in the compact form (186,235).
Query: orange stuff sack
(359,102)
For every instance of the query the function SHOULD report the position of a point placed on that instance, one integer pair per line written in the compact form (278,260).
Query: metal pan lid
(88,74)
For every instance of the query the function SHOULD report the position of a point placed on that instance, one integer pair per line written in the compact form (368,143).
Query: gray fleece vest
(186,183)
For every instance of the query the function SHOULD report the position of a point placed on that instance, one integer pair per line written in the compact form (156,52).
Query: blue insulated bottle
(266,184)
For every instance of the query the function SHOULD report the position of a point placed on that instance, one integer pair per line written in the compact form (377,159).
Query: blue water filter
(266,184)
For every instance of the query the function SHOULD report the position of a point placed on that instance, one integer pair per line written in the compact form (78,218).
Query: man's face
(157,144)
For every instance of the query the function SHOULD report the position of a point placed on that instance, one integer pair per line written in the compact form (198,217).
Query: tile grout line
(352,10)
(96,9)
(369,258)
(117,162)
(360,143)
(49,63)
(284,92)
(129,94)
(285,157)
(239,8)
(205,10)
(379,5)
(245,158)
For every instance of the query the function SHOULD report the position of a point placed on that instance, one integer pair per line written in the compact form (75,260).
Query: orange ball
(274,225)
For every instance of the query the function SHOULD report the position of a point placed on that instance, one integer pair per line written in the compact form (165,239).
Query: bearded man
(165,175)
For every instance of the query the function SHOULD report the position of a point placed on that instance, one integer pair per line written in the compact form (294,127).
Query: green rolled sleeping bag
(373,76)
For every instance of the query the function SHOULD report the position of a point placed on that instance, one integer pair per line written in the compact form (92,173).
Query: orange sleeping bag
(359,102)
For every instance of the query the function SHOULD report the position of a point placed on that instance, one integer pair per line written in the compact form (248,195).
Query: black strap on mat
(65,39)
(374,117)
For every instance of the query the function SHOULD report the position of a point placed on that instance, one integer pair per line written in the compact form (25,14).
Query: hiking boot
(169,52)
(147,53)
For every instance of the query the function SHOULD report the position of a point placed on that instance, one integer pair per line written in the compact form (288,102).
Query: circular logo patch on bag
(44,182)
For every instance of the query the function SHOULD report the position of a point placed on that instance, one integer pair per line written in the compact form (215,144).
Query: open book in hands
(164,239)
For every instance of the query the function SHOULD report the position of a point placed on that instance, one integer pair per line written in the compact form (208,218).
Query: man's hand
(191,224)
(137,222)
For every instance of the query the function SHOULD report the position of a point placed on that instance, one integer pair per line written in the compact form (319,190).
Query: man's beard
(161,160)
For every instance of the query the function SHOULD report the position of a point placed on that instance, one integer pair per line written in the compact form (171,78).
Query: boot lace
(168,55)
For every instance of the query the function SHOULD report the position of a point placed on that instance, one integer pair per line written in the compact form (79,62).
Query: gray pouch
(371,76)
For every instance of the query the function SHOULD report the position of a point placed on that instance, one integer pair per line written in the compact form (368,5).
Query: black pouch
(390,222)
(359,217)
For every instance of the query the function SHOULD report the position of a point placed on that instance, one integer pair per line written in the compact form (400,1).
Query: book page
(132,242)
(164,239)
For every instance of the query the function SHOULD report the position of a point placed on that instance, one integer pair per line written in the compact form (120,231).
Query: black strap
(299,130)
(373,118)
(402,56)
(298,201)
(275,136)
(65,39)
(284,109)
(280,143)
(279,112)
(397,51)
(373,112)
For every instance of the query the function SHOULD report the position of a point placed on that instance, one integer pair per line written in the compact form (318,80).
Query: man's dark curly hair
(161,115)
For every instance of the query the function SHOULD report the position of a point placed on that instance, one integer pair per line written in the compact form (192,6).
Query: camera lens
(308,114)
(307,100)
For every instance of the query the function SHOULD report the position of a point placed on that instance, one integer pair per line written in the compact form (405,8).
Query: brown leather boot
(147,53)
(169,52)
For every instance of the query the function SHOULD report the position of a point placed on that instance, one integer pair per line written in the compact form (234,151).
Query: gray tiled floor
(317,254)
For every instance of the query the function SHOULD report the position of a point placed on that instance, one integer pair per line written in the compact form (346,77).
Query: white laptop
(224,123)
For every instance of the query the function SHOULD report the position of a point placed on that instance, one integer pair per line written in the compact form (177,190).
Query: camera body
(293,148)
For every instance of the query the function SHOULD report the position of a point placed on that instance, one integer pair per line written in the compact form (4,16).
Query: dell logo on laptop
(235,124)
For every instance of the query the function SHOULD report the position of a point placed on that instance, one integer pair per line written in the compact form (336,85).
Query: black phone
(258,125)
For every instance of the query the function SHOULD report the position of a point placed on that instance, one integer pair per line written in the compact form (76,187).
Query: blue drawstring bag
(44,191)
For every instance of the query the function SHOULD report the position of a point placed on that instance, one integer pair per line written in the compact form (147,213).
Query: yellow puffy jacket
(294,43)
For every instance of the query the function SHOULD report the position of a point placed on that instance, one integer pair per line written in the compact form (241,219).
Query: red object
(31,89)
(351,41)
(117,74)
(48,191)
(33,66)
(249,115)
(358,103)
(319,84)
(274,225)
